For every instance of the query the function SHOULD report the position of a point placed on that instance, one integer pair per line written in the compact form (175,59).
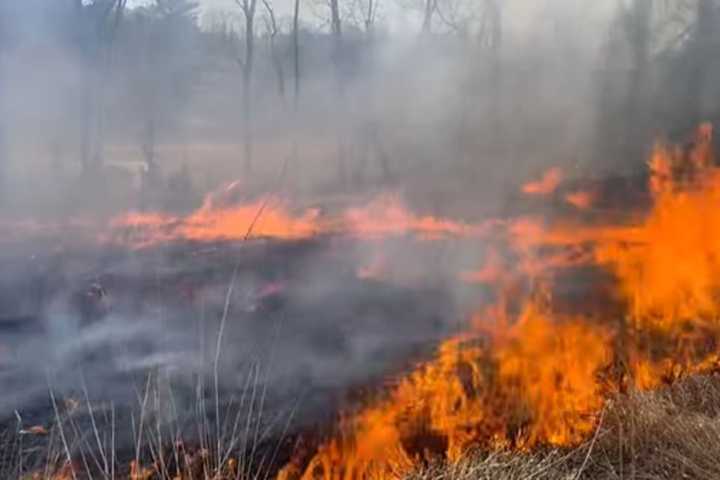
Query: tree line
(138,74)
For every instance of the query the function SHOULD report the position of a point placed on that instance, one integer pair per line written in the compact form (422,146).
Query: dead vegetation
(671,433)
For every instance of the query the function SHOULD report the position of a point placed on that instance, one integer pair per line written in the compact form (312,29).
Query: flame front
(384,216)
(539,376)
(263,218)
(530,384)
(669,266)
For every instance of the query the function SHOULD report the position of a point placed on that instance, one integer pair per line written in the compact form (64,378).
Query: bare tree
(638,31)
(483,47)
(335,22)
(369,138)
(491,37)
(296,79)
(430,10)
(456,16)
(703,47)
(362,13)
(248,8)
(337,51)
(117,15)
(99,22)
(296,54)
(371,16)
(272,33)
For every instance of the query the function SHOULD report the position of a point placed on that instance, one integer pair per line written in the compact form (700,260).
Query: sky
(311,11)
(519,15)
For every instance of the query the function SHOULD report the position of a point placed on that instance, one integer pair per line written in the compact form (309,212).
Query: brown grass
(672,433)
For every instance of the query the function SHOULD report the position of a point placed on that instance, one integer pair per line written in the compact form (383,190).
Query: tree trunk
(149,177)
(637,101)
(296,54)
(276,60)
(335,18)
(483,66)
(495,39)
(85,122)
(370,18)
(294,153)
(430,8)
(701,50)
(336,28)
(279,73)
(247,85)
(93,121)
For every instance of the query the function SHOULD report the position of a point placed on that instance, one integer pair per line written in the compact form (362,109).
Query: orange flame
(384,216)
(265,218)
(549,182)
(539,377)
(534,384)
(387,215)
(581,200)
(669,265)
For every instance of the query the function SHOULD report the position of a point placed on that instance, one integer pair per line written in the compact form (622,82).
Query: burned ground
(104,319)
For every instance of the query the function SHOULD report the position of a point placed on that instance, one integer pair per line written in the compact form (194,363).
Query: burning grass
(528,389)
(527,376)
(670,433)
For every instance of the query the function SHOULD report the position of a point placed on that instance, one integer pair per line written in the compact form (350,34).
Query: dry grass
(152,441)
(672,433)
(503,466)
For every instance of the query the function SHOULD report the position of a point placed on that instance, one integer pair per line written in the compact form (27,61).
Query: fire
(266,217)
(494,270)
(387,215)
(530,384)
(669,265)
(221,218)
(581,200)
(552,368)
(524,375)
(269,219)
(546,185)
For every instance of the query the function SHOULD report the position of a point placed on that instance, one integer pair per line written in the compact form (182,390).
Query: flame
(669,265)
(539,377)
(533,384)
(546,185)
(494,271)
(523,374)
(221,219)
(581,200)
(387,215)
(270,219)
(264,218)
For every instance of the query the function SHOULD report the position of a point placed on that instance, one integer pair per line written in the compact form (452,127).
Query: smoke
(104,110)
(84,88)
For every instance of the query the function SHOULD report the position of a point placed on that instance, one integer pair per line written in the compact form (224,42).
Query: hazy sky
(313,10)
(519,15)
